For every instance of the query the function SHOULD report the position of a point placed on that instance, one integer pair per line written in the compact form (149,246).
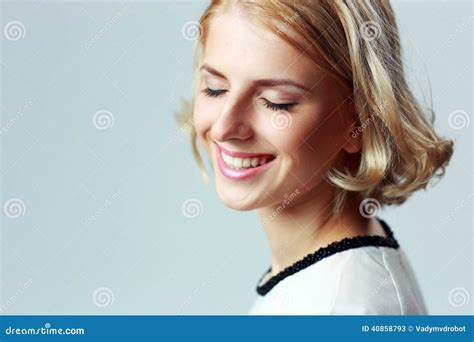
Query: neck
(301,224)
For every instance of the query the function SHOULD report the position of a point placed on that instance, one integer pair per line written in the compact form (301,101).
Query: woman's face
(268,117)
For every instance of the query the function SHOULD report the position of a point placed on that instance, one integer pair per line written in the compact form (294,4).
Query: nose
(233,121)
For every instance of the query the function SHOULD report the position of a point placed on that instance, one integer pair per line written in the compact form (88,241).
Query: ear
(353,135)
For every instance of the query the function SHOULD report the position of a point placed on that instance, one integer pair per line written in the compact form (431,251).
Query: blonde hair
(359,43)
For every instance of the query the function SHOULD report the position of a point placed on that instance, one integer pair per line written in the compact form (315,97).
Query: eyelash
(213,93)
(278,106)
(273,106)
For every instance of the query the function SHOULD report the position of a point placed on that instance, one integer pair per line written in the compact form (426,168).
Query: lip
(243,154)
(243,173)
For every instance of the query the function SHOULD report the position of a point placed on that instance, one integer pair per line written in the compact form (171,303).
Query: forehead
(238,47)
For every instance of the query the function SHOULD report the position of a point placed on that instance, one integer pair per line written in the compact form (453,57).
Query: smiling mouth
(241,165)
(241,160)
(245,163)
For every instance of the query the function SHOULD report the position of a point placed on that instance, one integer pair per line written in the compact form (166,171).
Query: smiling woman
(304,112)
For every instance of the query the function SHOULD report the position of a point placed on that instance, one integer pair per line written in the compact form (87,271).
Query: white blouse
(365,275)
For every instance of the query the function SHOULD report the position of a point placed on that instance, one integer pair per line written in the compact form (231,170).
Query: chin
(236,201)
(238,206)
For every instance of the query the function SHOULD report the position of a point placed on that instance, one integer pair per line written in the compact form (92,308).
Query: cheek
(203,118)
(323,147)
(311,144)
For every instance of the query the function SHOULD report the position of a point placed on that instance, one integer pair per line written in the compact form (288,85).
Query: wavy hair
(359,44)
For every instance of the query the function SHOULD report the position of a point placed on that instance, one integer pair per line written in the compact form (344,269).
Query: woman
(305,114)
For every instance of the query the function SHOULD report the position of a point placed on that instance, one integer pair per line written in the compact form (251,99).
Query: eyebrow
(272,82)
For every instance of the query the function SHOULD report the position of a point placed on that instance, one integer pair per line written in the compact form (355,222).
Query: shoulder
(378,281)
(361,281)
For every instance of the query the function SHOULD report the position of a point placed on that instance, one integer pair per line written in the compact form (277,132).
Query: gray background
(101,227)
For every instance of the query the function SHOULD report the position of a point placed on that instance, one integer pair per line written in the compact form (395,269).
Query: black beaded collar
(324,252)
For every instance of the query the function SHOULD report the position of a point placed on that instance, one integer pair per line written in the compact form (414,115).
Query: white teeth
(237,162)
(243,162)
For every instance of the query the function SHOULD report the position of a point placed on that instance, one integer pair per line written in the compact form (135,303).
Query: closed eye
(213,92)
(278,106)
(273,106)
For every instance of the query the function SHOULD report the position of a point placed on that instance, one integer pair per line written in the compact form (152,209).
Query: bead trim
(324,252)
